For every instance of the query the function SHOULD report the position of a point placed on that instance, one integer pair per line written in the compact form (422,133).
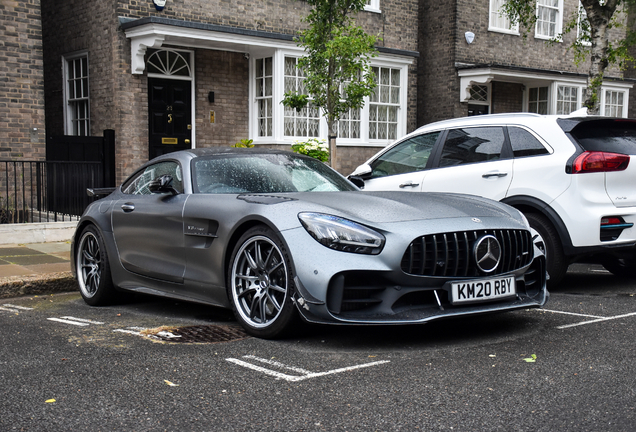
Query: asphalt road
(67,366)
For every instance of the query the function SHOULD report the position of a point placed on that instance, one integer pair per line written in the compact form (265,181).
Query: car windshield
(264,173)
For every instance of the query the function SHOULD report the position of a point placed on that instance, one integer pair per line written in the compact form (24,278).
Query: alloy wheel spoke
(274,303)
(251,262)
(277,288)
(275,267)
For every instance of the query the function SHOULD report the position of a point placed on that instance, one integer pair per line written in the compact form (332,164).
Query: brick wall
(506,97)
(227,75)
(21,81)
(491,47)
(443,45)
(438,82)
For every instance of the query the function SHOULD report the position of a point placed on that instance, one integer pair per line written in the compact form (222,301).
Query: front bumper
(375,298)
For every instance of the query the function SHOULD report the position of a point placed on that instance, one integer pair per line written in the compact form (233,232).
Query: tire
(260,284)
(546,238)
(620,266)
(93,268)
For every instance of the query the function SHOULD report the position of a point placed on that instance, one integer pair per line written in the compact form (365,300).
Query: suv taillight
(595,161)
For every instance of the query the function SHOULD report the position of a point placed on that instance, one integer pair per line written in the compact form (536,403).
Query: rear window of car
(525,144)
(471,145)
(611,135)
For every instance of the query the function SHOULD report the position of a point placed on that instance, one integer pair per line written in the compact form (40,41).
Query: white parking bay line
(305,374)
(596,320)
(16,307)
(75,321)
(569,313)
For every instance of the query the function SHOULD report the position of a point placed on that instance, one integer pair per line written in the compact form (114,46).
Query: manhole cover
(201,334)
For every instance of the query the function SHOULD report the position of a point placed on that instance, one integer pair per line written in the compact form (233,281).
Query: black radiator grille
(451,254)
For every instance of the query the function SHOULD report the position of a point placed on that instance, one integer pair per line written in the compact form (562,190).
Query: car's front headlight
(342,234)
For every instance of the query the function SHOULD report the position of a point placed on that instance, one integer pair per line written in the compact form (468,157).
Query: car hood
(385,207)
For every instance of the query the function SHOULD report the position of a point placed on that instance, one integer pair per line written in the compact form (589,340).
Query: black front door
(170,116)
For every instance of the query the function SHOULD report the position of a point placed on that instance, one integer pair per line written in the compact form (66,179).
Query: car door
(475,160)
(403,166)
(148,227)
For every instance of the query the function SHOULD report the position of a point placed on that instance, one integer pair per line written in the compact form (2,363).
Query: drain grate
(202,334)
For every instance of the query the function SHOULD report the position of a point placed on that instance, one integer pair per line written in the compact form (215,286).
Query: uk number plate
(470,291)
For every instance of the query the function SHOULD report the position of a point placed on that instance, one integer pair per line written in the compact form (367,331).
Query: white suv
(571,177)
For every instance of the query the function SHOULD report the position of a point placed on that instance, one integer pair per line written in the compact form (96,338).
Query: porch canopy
(154,32)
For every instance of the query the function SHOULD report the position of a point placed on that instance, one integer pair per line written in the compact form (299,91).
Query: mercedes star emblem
(487,253)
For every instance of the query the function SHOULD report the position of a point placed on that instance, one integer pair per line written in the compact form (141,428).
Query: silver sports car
(278,236)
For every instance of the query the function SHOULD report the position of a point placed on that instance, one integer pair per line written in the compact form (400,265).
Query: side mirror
(162,184)
(356,180)
(360,174)
(363,171)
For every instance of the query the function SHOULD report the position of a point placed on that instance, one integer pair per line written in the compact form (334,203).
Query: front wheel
(260,284)
(93,268)
(546,238)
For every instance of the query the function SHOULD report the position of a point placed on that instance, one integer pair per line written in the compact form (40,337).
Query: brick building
(472,60)
(206,73)
(21,81)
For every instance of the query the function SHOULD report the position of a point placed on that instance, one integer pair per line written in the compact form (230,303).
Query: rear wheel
(260,284)
(93,268)
(546,238)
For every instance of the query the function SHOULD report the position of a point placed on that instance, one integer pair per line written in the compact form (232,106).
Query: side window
(471,145)
(138,184)
(408,156)
(524,143)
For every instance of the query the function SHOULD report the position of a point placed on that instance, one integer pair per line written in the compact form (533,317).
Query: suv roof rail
(483,116)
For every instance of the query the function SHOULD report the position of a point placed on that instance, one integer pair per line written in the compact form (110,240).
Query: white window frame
(538,101)
(278,137)
(70,104)
(268,99)
(373,6)
(579,97)
(625,94)
(487,102)
(558,24)
(579,31)
(494,9)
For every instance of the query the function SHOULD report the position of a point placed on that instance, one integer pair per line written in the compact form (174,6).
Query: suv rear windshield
(608,135)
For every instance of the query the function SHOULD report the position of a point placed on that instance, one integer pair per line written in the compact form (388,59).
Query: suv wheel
(547,239)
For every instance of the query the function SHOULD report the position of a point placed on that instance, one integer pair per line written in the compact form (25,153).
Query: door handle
(127,208)
(495,174)
(187,141)
(409,184)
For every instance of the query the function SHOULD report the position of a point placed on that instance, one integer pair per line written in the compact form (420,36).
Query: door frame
(190,78)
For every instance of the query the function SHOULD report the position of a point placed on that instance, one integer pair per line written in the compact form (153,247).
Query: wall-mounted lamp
(211,97)
(247,56)
(470,37)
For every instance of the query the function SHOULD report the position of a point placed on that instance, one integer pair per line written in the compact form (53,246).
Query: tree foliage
(337,74)
(593,42)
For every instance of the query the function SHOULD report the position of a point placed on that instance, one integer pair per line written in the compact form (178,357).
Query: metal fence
(44,191)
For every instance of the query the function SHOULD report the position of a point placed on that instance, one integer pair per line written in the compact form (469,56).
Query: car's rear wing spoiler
(96,192)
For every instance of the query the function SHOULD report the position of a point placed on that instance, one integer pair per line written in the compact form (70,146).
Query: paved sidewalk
(35,268)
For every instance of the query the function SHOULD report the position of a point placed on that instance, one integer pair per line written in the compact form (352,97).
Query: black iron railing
(39,191)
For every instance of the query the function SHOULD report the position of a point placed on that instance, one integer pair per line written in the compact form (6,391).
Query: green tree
(594,41)
(337,74)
